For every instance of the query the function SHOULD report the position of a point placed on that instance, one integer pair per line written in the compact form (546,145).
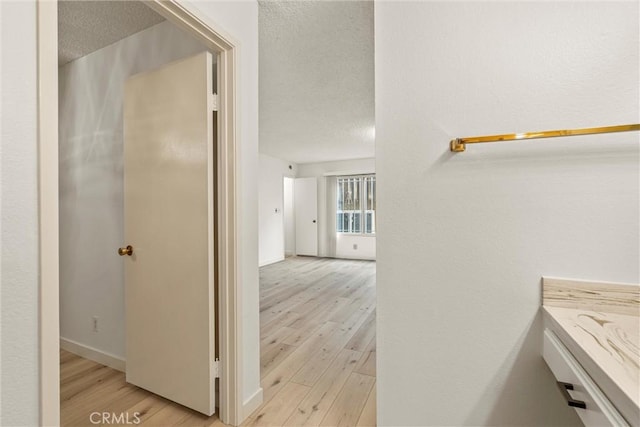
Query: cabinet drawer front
(599,411)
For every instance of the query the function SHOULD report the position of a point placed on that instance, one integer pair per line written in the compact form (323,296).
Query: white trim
(98,356)
(229,304)
(355,258)
(212,159)
(252,403)
(271,261)
(49,330)
(351,172)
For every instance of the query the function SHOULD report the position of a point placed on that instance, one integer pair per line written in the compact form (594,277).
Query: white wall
(343,247)
(289,218)
(355,247)
(271,207)
(19,375)
(465,238)
(91,181)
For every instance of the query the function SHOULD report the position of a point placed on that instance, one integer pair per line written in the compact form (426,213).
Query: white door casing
(306,213)
(200,26)
(169,222)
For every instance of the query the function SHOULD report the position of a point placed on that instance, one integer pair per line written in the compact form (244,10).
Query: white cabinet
(598,410)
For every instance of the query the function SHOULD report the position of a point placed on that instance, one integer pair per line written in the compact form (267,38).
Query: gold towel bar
(459,144)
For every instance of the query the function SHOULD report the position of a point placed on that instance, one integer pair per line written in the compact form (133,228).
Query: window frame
(363,207)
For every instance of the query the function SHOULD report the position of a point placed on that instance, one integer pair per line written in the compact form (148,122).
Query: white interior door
(306,206)
(168,217)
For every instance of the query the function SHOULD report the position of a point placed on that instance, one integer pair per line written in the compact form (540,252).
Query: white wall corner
(94,354)
(252,403)
(271,261)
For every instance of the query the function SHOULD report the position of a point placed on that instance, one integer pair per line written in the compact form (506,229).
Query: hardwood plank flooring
(317,402)
(317,359)
(328,309)
(368,416)
(354,394)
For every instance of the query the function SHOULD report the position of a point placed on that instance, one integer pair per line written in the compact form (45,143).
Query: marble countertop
(606,343)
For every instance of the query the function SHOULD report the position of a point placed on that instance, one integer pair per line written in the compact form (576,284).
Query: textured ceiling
(86,26)
(316,80)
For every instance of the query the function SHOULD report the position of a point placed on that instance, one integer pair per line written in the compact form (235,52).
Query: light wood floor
(317,319)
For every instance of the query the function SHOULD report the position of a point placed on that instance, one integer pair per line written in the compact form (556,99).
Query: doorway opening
(136,148)
(317,214)
(98,152)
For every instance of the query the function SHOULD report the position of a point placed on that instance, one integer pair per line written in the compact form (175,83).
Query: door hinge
(213,101)
(216,368)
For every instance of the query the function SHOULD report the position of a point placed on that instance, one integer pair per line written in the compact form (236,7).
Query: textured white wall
(271,195)
(91,181)
(19,311)
(240,20)
(316,80)
(463,239)
(346,167)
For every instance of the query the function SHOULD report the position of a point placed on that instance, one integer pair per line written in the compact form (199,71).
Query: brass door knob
(125,251)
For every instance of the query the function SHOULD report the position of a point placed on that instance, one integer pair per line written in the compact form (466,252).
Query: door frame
(316,215)
(229,306)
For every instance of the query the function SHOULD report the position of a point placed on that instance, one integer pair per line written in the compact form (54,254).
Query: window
(356,208)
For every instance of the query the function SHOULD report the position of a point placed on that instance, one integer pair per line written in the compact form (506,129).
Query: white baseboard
(271,261)
(357,258)
(252,403)
(94,354)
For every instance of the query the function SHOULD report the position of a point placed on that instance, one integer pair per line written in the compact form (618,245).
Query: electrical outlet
(95,323)
(355,246)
